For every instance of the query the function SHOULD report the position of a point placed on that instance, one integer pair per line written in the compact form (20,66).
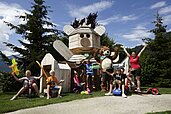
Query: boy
(89,73)
(29,81)
(52,82)
(119,78)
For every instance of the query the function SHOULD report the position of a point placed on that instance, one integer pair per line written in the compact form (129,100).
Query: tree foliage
(156,61)
(38,32)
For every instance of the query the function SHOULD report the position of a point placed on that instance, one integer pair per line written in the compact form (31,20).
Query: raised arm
(13,74)
(37,78)
(111,74)
(139,54)
(125,51)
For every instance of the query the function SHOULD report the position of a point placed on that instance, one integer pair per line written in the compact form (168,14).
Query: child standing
(89,73)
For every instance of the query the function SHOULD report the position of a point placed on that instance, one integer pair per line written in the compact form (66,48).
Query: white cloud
(165,10)
(128,18)
(140,27)
(109,20)
(158,5)
(9,52)
(167,19)
(169,30)
(137,34)
(82,12)
(8,13)
(117,18)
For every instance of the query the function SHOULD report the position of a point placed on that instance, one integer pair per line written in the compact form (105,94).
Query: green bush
(8,83)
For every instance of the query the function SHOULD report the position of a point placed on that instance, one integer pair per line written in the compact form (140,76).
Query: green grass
(164,90)
(164,112)
(23,102)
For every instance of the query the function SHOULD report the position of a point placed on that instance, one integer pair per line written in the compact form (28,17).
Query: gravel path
(134,104)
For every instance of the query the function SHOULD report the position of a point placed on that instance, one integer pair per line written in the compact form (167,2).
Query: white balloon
(106,63)
(68,29)
(100,30)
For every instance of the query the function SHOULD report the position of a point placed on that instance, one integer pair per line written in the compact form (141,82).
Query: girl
(135,66)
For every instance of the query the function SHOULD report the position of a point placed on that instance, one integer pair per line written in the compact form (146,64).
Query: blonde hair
(28,72)
(52,72)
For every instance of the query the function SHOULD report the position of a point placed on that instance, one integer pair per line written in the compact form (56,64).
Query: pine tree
(157,60)
(36,34)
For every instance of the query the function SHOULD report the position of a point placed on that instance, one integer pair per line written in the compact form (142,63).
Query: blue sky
(126,21)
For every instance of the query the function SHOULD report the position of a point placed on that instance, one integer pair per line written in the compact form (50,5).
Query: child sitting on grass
(28,81)
(52,83)
(77,85)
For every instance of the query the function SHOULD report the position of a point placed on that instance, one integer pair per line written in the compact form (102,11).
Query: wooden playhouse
(62,70)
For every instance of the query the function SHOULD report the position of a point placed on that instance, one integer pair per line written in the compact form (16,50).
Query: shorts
(25,83)
(54,87)
(136,72)
(106,77)
(90,74)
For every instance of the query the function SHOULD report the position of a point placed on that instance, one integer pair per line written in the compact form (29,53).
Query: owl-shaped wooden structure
(84,39)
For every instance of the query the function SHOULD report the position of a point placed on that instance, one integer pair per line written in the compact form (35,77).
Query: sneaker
(94,87)
(14,97)
(124,96)
(108,94)
(47,97)
(59,96)
(41,96)
(138,90)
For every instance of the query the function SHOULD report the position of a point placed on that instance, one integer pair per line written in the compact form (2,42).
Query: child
(77,83)
(52,82)
(129,81)
(29,81)
(89,73)
(119,79)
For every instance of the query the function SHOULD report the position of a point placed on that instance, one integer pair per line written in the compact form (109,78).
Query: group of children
(116,78)
(29,83)
(118,81)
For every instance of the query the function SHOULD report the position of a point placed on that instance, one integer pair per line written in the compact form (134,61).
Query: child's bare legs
(93,82)
(59,92)
(87,81)
(110,90)
(111,87)
(48,89)
(119,84)
(19,92)
(123,89)
(34,85)
(138,83)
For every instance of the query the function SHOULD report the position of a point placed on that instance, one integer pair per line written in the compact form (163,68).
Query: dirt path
(134,104)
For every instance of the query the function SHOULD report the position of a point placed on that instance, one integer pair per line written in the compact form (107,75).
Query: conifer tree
(38,32)
(156,60)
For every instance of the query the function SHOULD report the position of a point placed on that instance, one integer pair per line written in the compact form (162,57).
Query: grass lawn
(165,112)
(23,102)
